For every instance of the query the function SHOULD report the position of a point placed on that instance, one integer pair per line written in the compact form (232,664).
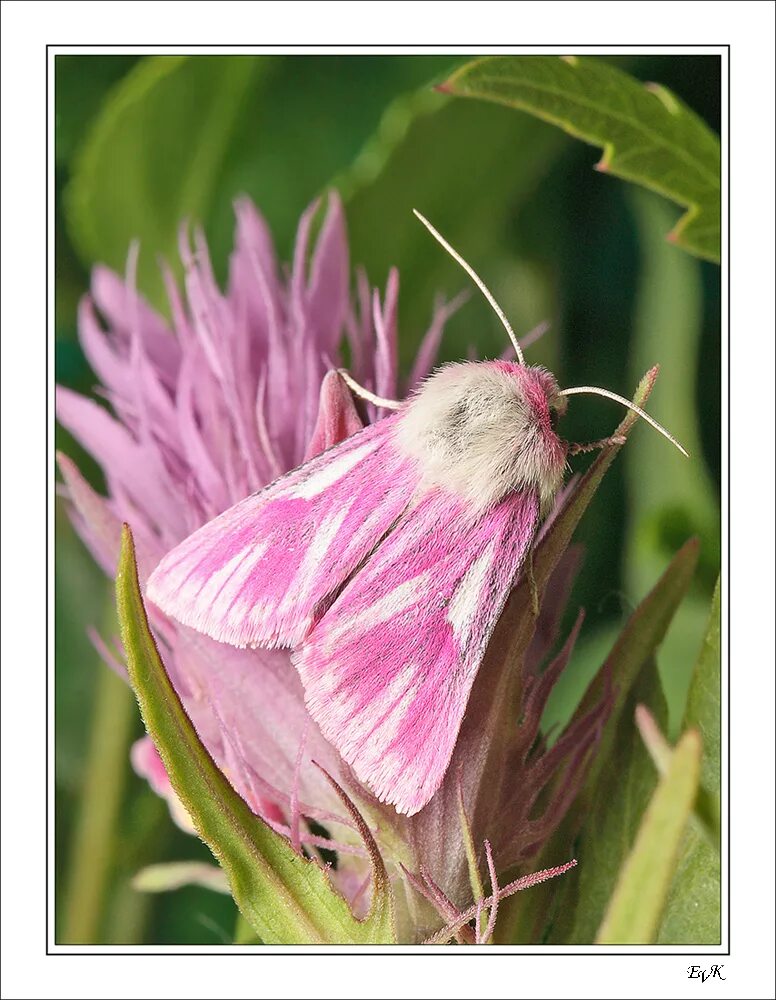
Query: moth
(385,562)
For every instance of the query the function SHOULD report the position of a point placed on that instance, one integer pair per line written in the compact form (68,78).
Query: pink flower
(210,408)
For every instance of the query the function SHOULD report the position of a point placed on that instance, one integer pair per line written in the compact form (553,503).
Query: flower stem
(92,850)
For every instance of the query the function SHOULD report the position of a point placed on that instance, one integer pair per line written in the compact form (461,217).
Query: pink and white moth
(386,561)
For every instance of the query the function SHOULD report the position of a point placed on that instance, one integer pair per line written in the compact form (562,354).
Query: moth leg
(370,397)
(529,572)
(578,449)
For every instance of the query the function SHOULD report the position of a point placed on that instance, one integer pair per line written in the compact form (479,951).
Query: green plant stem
(127,915)
(91,855)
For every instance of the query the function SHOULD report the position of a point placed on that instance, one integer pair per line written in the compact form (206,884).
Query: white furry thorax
(482,430)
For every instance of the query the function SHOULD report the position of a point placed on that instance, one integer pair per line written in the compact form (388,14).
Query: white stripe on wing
(331,472)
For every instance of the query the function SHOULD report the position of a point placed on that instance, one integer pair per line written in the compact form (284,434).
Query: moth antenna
(477,281)
(370,397)
(594,390)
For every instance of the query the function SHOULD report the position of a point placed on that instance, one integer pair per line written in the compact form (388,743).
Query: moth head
(555,398)
(542,392)
(482,430)
(539,451)
(558,405)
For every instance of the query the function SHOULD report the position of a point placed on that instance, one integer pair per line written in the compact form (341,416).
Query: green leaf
(706,808)
(601,826)
(181,136)
(704,698)
(243,932)
(80,84)
(635,648)
(639,898)
(609,812)
(286,898)
(647,134)
(153,158)
(693,912)
(621,776)
(664,509)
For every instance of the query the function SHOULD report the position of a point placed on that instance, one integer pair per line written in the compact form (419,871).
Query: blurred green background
(143,142)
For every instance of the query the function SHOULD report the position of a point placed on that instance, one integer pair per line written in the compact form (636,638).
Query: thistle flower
(207,410)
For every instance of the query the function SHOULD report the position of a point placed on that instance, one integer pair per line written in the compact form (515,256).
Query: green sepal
(285,897)
(639,897)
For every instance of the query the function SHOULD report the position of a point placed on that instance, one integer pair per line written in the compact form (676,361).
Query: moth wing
(389,667)
(259,573)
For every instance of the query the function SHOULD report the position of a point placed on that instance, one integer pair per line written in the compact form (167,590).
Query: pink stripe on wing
(388,669)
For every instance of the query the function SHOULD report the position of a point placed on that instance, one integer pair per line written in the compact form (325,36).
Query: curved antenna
(477,281)
(370,397)
(594,390)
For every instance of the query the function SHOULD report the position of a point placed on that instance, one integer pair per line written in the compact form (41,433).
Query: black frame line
(209,950)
